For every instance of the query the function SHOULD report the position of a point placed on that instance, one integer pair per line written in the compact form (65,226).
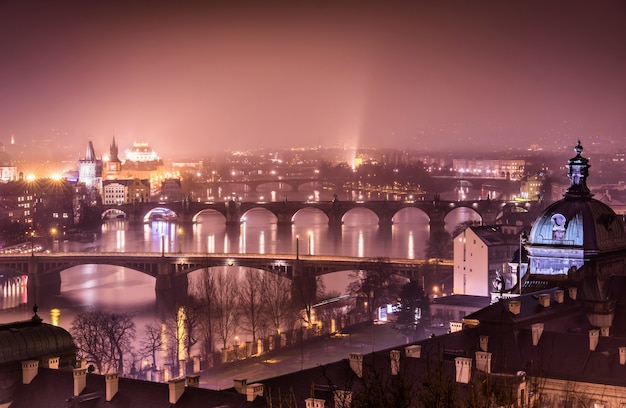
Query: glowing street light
(180,244)
(53,232)
(297,247)
(310,242)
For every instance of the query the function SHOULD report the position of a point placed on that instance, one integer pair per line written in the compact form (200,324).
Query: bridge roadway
(171,269)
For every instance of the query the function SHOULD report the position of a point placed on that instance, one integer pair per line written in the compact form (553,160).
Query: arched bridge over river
(170,270)
(234,211)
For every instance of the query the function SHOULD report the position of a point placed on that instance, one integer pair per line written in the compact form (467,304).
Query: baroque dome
(578,220)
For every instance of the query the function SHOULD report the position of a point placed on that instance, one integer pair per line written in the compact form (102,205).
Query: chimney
(594,336)
(356,364)
(414,351)
(572,291)
(253,391)
(176,388)
(559,296)
(463,369)
(622,355)
(52,363)
(544,299)
(193,381)
(80,380)
(483,341)
(315,403)
(343,398)
(537,331)
(483,361)
(394,355)
(30,369)
(515,306)
(111,381)
(456,326)
(240,385)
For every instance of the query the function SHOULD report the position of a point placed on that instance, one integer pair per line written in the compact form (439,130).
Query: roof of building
(55,388)
(493,235)
(463,300)
(33,339)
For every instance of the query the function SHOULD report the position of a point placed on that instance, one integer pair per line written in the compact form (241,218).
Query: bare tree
(375,285)
(104,338)
(277,300)
(226,307)
(251,303)
(206,289)
(152,341)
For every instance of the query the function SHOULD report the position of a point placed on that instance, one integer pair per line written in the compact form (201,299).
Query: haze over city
(194,77)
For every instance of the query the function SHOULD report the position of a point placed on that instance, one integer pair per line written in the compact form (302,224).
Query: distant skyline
(195,77)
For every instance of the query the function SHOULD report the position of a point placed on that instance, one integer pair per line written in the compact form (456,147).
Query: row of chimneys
(176,387)
(544,299)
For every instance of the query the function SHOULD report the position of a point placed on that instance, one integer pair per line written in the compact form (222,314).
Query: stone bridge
(170,270)
(284,211)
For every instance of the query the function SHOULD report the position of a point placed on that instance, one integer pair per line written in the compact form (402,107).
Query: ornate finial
(35,317)
(579,148)
(578,173)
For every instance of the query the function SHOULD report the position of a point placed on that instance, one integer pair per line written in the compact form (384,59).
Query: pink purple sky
(194,77)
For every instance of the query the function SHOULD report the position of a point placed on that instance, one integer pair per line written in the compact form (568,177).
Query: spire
(113,151)
(90,154)
(578,172)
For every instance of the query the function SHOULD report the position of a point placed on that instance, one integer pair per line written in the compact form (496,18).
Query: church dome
(578,220)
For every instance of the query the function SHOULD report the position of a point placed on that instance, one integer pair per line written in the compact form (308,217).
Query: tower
(90,169)
(114,165)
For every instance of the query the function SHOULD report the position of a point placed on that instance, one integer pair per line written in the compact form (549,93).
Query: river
(116,289)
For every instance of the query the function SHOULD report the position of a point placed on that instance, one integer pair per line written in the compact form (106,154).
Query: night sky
(194,77)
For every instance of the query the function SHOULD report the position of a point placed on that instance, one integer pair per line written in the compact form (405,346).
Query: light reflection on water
(117,289)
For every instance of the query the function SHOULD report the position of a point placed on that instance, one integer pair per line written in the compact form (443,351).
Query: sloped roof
(33,339)
(54,388)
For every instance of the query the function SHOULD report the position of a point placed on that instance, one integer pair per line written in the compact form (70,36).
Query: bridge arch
(372,216)
(316,212)
(410,215)
(113,213)
(160,214)
(258,212)
(209,213)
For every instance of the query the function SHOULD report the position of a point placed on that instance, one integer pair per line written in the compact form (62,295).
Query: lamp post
(32,243)
(162,245)
(53,232)
(310,242)
(297,247)
(180,241)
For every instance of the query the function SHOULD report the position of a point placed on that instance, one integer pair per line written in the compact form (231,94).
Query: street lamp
(310,242)
(297,247)
(53,232)
(180,234)
(162,245)
(32,243)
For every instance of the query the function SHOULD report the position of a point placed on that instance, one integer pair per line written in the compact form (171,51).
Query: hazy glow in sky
(202,76)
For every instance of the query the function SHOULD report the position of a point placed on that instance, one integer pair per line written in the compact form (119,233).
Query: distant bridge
(284,211)
(170,270)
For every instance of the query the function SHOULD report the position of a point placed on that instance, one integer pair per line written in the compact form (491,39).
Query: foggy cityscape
(316,204)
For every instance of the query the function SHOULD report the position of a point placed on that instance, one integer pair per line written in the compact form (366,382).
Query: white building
(481,258)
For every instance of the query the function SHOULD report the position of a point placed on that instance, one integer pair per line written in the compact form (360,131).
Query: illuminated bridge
(284,211)
(170,270)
